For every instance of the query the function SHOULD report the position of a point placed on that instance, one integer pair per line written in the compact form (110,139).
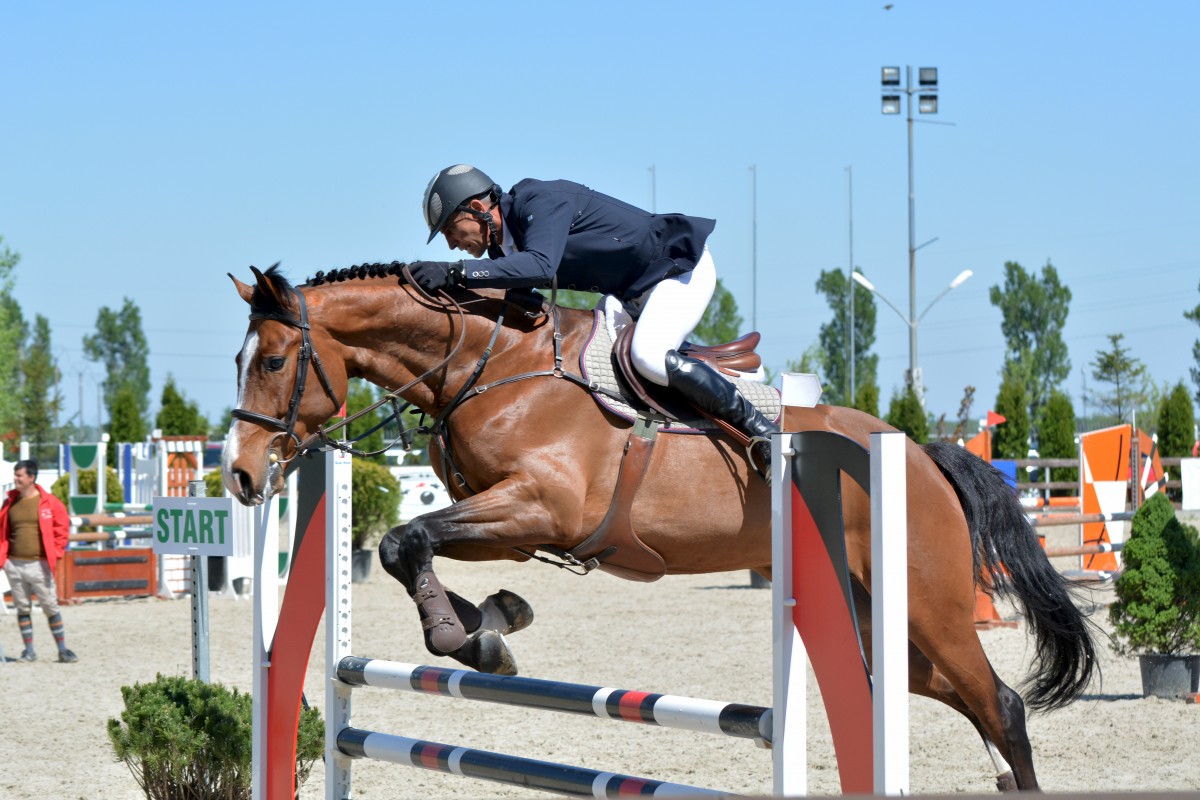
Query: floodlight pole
(914,377)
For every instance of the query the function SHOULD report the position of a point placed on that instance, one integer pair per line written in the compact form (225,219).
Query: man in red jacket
(34,527)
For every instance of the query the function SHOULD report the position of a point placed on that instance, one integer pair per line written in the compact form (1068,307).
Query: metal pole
(200,669)
(653,190)
(914,378)
(753,247)
(850,283)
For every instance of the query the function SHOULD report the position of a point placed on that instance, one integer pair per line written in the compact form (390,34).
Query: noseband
(286,425)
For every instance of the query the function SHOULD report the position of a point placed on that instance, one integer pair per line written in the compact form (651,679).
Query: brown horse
(533,461)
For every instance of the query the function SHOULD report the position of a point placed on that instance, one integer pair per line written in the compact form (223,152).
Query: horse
(532,461)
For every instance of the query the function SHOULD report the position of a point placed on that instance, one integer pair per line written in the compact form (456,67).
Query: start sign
(193,526)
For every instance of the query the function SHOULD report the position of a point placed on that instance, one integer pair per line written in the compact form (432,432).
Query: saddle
(614,546)
(733,359)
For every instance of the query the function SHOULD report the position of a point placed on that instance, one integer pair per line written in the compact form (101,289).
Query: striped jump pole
(485,765)
(1051,520)
(665,710)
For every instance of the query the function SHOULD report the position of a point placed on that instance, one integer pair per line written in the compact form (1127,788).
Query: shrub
(374,502)
(213,486)
(183,738)
(1158,592)
(113,490)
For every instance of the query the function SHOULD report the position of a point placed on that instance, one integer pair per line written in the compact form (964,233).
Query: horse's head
(279,402)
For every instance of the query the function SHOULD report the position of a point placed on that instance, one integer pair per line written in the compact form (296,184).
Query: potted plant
(1157,611)
(374,508)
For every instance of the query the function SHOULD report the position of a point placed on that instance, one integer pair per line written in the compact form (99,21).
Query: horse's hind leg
(998,711)
(926,680)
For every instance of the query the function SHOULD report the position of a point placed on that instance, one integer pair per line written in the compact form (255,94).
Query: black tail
(1007,552)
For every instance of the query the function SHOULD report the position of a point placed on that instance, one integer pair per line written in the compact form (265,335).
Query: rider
(656,264)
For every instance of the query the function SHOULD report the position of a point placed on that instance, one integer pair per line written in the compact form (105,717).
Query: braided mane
(357,271)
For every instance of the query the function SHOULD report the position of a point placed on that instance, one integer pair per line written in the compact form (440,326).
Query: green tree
(835,337)
(866,398)
(126,422)
(1011,440)
(1176,423)
(220,428)
(721,322)
(1034,311)
(1194,316)
(13,331)
(361,395)
(177,415)
(1127,376)
(41,400)
(906,414)
(121,345)
(1056,437)
(573,298)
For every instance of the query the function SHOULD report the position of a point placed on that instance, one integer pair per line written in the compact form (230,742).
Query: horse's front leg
(503,517)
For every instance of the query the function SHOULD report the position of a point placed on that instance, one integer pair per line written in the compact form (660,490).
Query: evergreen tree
(13,332)
(835,337)
(721,322)
(41,400)
(177,415)
(1034,311)
(1011,440)
(1194,316)
(1125,373)
(905,413)
(1056,437)
(126,423)
(866,398)
(1176,423)
(121,345)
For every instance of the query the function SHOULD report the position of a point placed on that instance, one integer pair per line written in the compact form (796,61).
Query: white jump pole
(889,611)
(337,620)
(266,616)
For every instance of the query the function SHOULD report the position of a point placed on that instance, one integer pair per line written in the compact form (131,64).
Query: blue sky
(149,148)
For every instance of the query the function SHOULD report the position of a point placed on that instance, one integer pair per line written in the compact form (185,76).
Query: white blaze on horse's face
(249,349)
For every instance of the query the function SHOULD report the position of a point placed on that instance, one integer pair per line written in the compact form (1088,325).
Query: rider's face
(469,233)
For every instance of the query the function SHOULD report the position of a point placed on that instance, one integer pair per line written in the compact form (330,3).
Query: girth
(614,547)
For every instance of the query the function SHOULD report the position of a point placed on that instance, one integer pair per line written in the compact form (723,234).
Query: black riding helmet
(450,190)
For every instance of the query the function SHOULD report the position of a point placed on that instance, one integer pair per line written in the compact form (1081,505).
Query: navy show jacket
(593,242)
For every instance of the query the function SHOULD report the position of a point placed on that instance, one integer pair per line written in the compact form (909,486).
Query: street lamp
(912,322)
(927,103)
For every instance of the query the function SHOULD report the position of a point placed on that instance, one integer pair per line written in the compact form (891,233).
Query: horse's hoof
(487,651)
(505,612)
(1006,782)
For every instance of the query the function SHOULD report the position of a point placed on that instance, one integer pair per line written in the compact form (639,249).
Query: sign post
(199,527)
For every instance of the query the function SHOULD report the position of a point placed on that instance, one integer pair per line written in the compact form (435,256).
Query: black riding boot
(702,385)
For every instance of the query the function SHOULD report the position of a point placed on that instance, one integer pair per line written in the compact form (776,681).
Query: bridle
(286,425)
(321,439)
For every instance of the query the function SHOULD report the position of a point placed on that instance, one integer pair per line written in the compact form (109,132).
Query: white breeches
(669,313)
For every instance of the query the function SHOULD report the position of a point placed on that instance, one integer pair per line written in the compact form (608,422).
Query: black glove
(434,275)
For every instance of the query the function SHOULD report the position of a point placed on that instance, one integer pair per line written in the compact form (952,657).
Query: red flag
(994,419)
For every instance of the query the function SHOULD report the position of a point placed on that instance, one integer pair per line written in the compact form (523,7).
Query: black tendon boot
(704,387)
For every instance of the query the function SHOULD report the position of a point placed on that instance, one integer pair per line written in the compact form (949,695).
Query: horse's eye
(274,363)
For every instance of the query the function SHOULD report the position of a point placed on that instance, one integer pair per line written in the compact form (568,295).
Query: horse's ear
(268,288)
(243,289)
